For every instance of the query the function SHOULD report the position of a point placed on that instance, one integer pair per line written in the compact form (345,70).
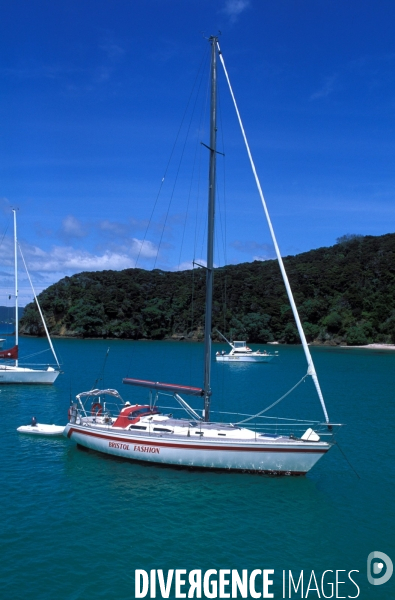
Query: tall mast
(210,230)
(16,282)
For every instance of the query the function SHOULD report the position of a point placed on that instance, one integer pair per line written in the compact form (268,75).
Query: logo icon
(379,564)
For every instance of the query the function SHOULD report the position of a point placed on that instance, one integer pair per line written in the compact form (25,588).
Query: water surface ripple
(75,525)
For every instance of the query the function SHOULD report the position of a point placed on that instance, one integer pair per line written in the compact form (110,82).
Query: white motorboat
(242,353)
(42,429)
(15,373)
(100,420)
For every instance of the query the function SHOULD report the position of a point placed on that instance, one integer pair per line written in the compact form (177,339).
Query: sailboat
(101,420)
(14,373)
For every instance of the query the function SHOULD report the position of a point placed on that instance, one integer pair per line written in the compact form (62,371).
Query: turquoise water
(76,525)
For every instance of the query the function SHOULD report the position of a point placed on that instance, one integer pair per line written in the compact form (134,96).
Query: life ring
(99,408)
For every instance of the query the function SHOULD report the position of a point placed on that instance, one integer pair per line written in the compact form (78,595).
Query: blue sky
(92,96)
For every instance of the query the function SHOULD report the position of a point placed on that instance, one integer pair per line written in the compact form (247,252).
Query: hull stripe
(190,446)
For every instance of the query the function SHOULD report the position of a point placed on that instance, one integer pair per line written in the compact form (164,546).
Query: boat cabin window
(137,427)
(163,429)
(139,412)
(239,344)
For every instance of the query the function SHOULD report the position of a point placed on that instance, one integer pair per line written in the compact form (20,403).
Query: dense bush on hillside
(344,293)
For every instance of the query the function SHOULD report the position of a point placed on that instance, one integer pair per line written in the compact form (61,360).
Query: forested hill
(7,313)
(345,293)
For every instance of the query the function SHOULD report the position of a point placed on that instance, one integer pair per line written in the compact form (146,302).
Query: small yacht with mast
(15,373)
(101,420)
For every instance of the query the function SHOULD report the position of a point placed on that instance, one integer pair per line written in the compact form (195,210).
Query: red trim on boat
(10,353)
(125,417)
(190,446)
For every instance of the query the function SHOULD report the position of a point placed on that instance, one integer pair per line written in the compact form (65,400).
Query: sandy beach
(374,346)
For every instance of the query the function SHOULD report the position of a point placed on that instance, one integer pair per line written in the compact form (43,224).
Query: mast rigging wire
(100,376)
(39,308)
(311,368)
(5,232)
(274,403)
(168,165)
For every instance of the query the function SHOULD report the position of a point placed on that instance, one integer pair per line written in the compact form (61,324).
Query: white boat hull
(42,429)
(252,358)
(291,457)
(27,376)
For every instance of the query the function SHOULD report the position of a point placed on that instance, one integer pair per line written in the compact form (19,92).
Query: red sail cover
(10,353)
(168,387)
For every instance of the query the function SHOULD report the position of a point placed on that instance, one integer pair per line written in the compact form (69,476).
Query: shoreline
(373,346)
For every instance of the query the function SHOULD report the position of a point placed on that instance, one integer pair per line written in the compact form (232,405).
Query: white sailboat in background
(15,373)
(100,420)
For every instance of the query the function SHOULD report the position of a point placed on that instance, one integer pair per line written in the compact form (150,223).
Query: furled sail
(10,353)
(168,387)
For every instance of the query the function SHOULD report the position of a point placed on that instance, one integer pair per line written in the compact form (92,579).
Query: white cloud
(261,258)
(70,260)
(143,248)
(117,229)
(266,251)
(49,266)
(5,206)
(112,49)
(234,8)
(327,88)
(82,245)
(72,227)
(188,264)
